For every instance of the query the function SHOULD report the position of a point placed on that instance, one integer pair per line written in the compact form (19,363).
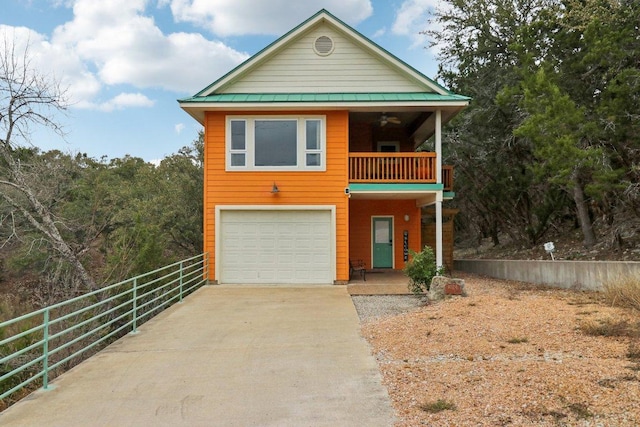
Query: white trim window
(276,143)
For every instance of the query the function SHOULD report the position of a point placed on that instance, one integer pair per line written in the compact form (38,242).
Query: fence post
(45,350)
(205,267)
(181,280)
(135,306)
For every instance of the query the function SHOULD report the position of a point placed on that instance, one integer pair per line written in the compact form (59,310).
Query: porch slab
(380,282)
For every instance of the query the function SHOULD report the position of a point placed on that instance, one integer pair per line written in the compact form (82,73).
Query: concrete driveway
(227,356)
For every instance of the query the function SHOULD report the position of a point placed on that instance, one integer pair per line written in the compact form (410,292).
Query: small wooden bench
(357,265)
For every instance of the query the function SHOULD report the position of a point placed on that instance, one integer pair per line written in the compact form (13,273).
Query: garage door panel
(276,246)
(238,271)
(302,259)
(285,243)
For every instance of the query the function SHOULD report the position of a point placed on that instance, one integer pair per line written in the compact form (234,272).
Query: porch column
(438,146)
(439,262)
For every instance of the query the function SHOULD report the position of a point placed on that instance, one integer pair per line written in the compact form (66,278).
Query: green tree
(554,119)
(562,150)
(484,48)
(27,99)
(182,177)
(158,219)
(608,67)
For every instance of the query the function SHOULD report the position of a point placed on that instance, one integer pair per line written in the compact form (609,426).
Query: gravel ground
(509,354)
(373,307)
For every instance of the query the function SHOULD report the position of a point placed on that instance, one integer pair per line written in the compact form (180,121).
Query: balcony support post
(438,147)
(439,258)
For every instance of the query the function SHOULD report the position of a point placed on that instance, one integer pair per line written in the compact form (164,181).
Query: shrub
(438,406)
(580,410)
(421,269)
(623,291)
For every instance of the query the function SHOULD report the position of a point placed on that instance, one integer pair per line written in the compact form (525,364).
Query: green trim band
(395,187)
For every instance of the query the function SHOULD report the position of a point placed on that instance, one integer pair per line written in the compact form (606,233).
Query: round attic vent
(323,45)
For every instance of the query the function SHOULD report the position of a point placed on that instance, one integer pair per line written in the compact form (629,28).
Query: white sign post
(549,247)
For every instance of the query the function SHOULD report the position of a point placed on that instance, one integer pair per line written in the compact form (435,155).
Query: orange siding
(295,188)
(360,234)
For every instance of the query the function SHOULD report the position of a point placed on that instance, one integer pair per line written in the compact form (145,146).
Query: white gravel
(372,307)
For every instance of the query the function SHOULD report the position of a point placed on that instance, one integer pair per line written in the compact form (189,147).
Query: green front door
(382,243)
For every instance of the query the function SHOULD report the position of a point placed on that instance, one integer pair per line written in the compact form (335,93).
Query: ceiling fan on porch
(384,119)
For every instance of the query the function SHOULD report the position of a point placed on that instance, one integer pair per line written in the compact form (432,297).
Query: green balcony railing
(36,347)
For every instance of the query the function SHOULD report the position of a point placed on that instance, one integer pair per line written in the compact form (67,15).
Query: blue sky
(125,62)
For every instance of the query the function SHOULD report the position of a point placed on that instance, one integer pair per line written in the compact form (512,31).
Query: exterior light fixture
(406,217)
(274,189)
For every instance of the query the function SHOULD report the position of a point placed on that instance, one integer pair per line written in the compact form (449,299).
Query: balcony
(395,168)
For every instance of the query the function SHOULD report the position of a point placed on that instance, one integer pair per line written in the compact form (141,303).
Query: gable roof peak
(323,15)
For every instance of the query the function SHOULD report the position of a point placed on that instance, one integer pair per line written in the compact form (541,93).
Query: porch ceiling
(420,122)
(421,198)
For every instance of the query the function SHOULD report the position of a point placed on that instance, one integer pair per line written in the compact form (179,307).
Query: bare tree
(30,99)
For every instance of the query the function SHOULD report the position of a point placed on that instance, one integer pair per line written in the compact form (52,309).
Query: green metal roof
(324,97)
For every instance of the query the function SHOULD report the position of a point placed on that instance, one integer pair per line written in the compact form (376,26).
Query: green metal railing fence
(36,347)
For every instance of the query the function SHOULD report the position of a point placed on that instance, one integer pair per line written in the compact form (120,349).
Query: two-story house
(310,158)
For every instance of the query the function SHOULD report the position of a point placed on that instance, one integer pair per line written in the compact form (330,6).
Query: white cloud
(381,32)
(125,100)
(118,102)
(128,48)
(115,43)
(412,18)
(179,128)
(241,17)
(53,60)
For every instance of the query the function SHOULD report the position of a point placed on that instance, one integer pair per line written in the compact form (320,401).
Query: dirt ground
(511,354)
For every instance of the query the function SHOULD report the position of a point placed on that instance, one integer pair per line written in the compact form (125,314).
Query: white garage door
(275,247)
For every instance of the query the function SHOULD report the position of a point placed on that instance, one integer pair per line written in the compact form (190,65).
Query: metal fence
(36,347)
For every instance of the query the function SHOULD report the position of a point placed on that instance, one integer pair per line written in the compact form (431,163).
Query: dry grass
(438,406)
(11,307)
(580,410)
(609,327)
(623,291)
(633,352)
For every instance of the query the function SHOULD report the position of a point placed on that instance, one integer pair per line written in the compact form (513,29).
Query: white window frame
(232,151)
(302,151)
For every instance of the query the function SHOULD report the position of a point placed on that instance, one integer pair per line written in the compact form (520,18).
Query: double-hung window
(276,143)
(238,145)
